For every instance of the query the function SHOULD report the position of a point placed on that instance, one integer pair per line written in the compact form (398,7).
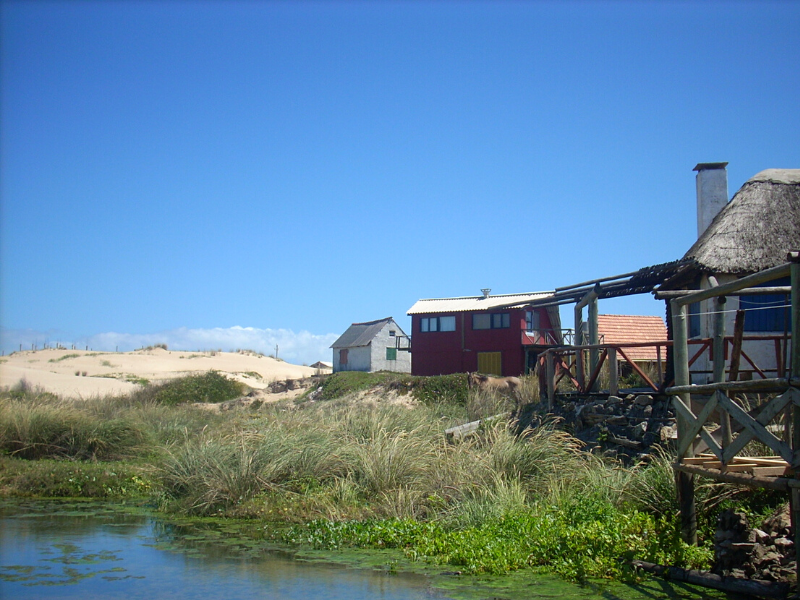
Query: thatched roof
(756,228)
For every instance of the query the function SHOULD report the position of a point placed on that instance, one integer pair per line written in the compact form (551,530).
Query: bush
(211,386)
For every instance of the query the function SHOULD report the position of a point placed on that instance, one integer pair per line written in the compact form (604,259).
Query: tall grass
(33,428)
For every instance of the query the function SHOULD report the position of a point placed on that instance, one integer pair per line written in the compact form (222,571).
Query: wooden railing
(565,362)
(735,426)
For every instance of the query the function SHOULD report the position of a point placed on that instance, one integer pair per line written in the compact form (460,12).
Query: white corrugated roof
(447,305)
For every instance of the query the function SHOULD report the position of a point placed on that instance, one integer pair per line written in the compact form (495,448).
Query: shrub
(211,386)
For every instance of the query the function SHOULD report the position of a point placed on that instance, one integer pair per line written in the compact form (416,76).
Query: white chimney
(712,192)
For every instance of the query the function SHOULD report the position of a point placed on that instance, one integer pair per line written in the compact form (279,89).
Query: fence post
(578,341)
(685,480)
(594,340)
(794,270)
(719,364)
(551,378)
(613,384)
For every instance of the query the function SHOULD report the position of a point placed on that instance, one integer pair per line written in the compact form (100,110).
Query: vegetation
(65,357)
(211,386)
(373,473)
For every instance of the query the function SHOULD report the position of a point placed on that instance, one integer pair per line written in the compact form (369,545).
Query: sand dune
(62,371)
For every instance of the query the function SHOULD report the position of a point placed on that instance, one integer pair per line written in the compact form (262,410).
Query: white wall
(381,342)
(358,359)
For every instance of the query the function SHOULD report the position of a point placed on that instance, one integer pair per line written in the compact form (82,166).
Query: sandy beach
(82,374)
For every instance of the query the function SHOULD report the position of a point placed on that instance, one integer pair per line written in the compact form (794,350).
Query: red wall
(444,352)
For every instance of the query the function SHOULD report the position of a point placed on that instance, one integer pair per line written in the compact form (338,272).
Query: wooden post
(736,351)
(613,386)
(685,481)
(551,377)
(578,341)
(660,368)
(594,340)
(719,364)
(794,259)
(587,299)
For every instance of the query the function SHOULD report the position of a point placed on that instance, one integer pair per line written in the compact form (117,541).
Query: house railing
(402,343)
(565,363)
(723,424)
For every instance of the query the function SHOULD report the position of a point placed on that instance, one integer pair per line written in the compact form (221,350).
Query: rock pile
(629,425)
(766,553)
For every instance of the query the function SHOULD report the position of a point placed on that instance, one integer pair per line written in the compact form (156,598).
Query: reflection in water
(87,554)
(91,551)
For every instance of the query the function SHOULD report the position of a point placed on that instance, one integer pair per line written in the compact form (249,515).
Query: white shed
(373,346)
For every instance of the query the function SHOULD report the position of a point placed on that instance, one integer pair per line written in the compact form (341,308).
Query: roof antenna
(486,292)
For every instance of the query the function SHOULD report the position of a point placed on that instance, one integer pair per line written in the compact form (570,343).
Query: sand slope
(115,372)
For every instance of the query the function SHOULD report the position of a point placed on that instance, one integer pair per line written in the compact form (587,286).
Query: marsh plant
(357,470)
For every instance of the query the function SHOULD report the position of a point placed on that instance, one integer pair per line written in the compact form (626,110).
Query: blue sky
(241,174)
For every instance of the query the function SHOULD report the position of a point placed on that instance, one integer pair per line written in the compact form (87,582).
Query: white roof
(473,303)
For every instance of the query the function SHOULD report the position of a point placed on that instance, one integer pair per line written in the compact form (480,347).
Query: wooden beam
(759,291)
(759,385)
(726,289)
(737,478)
(638,370)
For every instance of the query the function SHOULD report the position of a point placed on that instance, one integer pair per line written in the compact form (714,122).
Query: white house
(752,232)
(373,346)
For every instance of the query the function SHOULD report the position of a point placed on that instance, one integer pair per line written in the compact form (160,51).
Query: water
(79,552)
(88,551)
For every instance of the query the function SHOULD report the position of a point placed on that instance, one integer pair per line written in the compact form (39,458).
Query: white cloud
(298,348)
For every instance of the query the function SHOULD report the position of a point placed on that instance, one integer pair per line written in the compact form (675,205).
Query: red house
(499,335)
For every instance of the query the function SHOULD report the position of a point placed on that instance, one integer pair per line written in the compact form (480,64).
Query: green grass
(65,357)
(211,386)
(70,479)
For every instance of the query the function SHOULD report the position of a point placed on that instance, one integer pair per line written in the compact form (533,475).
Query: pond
(86,551)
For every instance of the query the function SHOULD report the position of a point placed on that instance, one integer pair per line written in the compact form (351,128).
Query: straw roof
(756,228)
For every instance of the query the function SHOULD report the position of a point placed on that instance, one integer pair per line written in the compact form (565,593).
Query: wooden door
(490,363)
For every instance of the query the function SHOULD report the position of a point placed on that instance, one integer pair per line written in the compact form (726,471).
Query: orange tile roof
(630,329)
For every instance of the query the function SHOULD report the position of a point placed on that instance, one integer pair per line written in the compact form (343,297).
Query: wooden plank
(767,461)
(697,460)
(733,467)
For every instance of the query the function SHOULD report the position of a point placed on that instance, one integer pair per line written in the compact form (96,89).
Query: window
(343,357)
(531,320)
(767,313)
(491,321)
(391,353)
(428,324)
(392,333)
